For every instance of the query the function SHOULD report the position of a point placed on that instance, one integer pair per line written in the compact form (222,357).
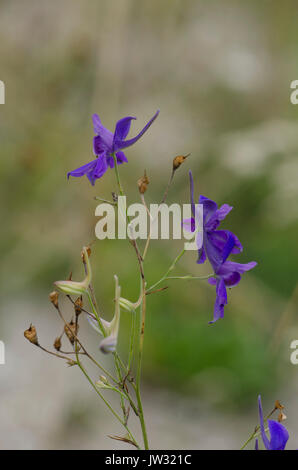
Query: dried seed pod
(54,298)
(281,417)
(71,330)
(57,343)
(31,335)
(143,183)
(179,160)
(278,405)
(78,305)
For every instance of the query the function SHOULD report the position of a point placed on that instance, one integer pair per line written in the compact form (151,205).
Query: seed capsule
(31,335)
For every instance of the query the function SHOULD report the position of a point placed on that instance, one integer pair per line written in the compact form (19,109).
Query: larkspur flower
(212,217)
(216,245)
(278,434)
(227,273)
(106,144)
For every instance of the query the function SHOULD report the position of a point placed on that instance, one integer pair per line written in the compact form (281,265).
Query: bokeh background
(220,73)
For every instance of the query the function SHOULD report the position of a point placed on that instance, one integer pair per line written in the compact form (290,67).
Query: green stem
(137,387)
(105,401)
(95,313)
(257,432)
(132,340)
(139,370)
(168,271)
(191,278)
(118,176)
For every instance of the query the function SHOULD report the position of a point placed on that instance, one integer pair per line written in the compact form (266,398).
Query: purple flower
(227,273)
(278,434)
(217,245)
(106,144)
(214,240)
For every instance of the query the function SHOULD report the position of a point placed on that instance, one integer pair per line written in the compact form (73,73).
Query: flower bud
(71,362)
(103,382)
(127,305)
(31,335)
(54,298)
(57,343)
(71,330)
(179,160)
(143,183)
(78,288)
(108,344)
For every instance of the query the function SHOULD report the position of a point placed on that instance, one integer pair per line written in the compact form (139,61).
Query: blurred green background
(220,73)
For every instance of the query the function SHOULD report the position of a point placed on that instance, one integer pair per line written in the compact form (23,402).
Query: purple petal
(209,207)
(221,292)
(212,281)
(218,216)
(189,224)
(213,253)
(278,435)
(82,170)
(227,249)
(101,146)
(191,192)
(217,254)
(220,301)
(219,238)
(122,128)
(201,256)
(121,158)
(99,169)
(110,162)
(257,444)
(199,240)
(231,266)
(264,436)
(232,279)
(104,138)
(127,143)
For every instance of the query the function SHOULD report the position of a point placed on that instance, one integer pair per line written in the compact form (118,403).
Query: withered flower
(57,343)
(177,161)
(54,298)
(71,330)
(31,335)
(143,183)
(78,305)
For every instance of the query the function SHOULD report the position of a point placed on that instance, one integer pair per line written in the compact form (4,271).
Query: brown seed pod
(54,298)
(31,335)
(143,183)
(78,305)
(71,330)
(179,160)
(57,343)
